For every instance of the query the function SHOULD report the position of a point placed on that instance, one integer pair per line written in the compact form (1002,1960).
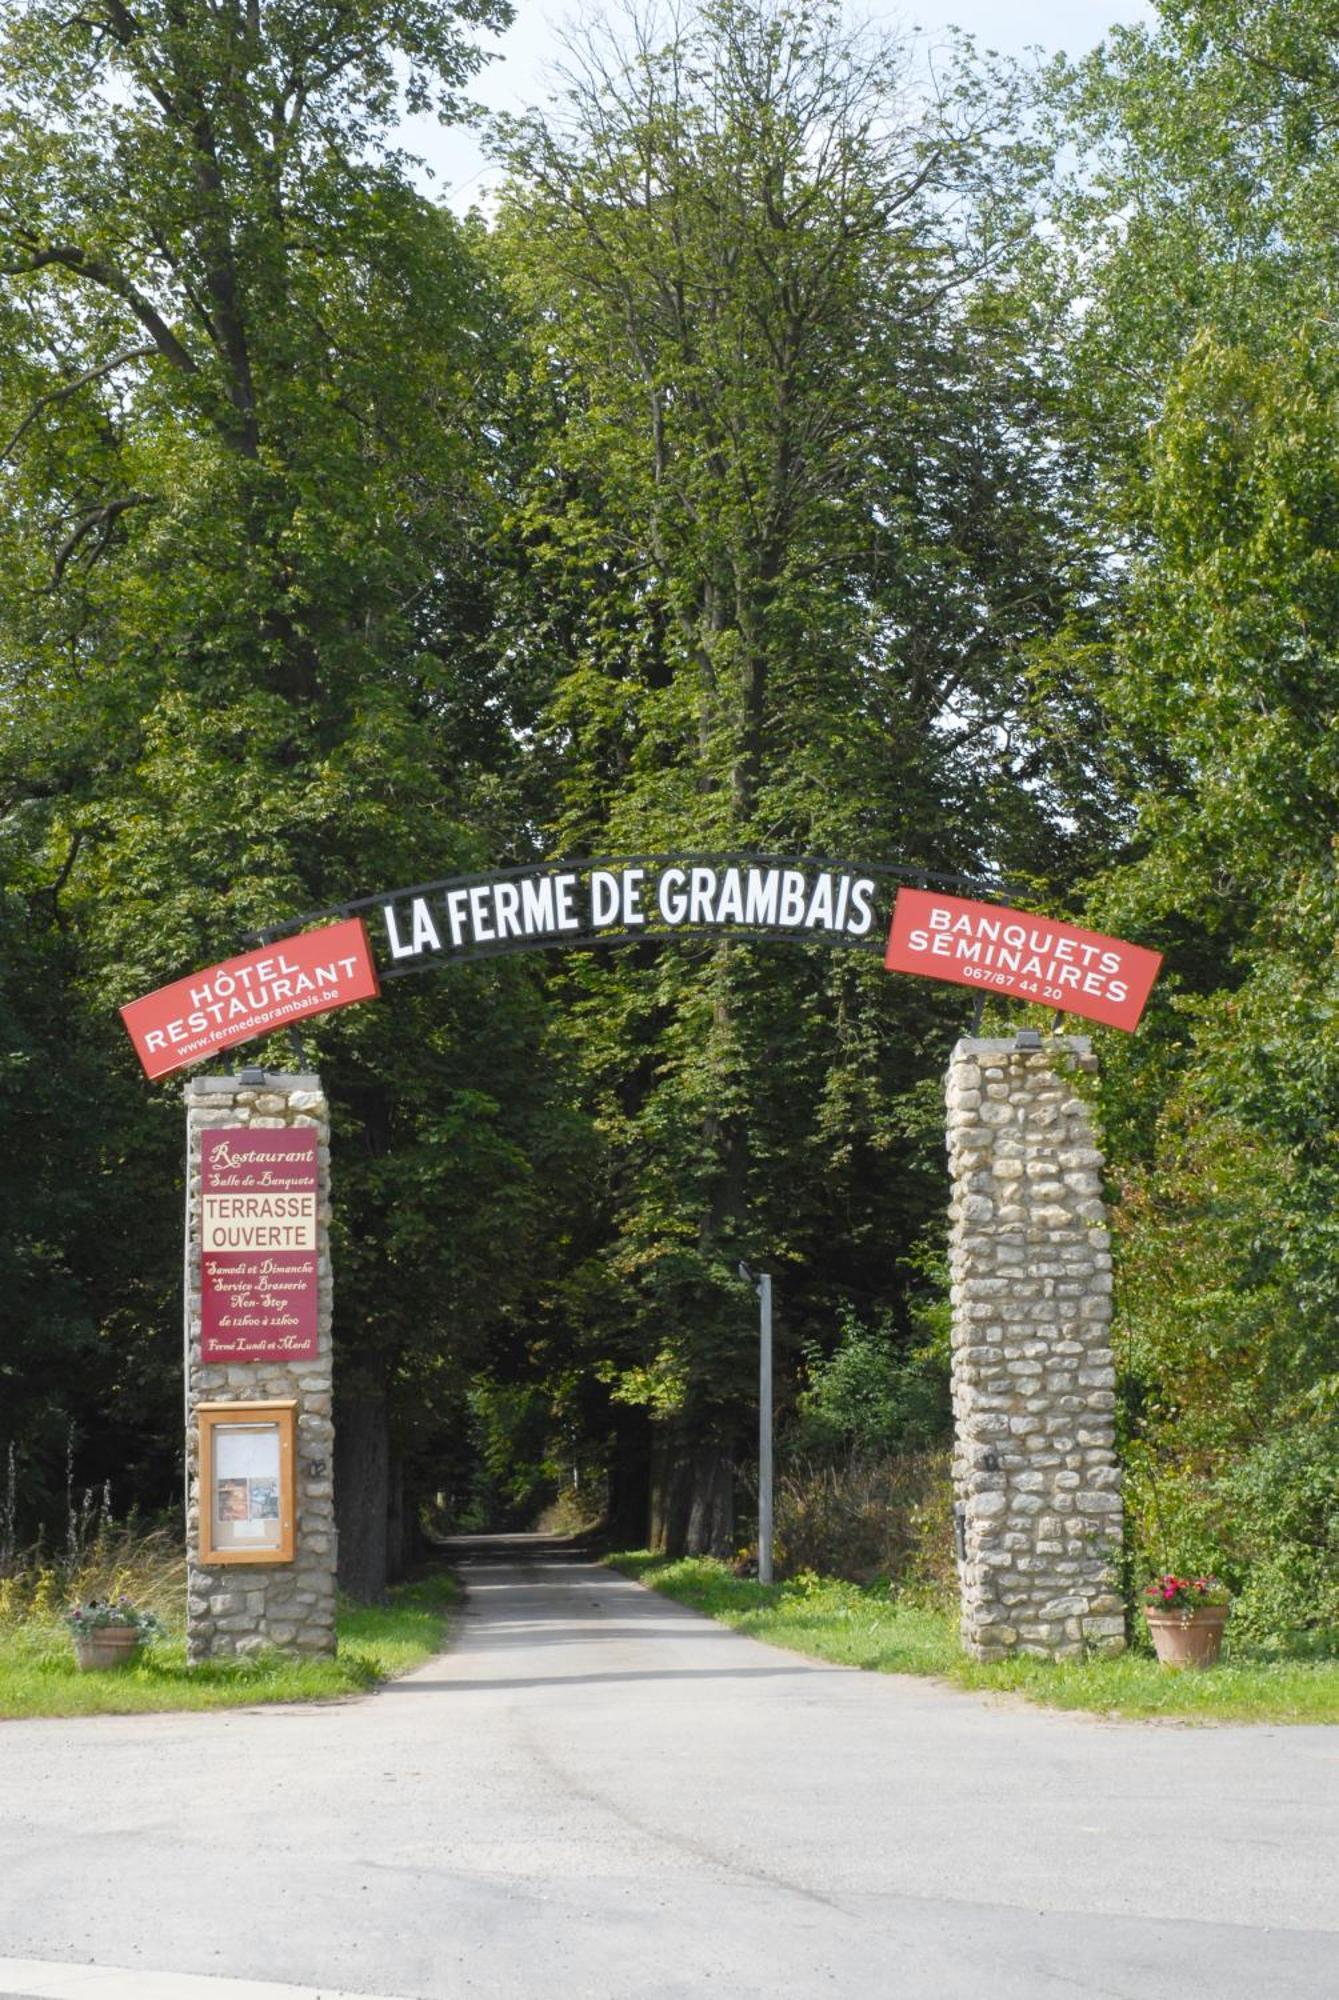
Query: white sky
(516,79)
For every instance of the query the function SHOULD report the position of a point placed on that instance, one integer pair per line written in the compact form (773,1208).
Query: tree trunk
(362,1493)
(628,1523)
(399,1522)
(692,1498)
(711,1505)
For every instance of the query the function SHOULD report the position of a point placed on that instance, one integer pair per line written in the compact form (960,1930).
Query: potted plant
(1186,1616)
(108,1631)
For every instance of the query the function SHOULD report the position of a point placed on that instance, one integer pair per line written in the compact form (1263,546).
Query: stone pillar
(239,1608)
(1036,1479)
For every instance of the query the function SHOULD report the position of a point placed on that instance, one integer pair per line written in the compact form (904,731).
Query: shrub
(1266,1521)
(866,1517)
(871,1394)
(146,1565)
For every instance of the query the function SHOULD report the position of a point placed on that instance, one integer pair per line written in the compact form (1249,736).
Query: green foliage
(1203,372)
(512,1424)
(870,1394)
(775,317)
(244,670)
(1281,1503)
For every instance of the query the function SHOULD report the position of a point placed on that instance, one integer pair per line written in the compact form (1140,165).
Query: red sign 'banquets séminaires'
(252,995)
(259,1188)
(998,950)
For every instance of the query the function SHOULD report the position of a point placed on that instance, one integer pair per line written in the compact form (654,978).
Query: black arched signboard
(627,900)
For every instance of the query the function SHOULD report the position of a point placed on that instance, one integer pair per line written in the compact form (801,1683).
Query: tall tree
(246,468)
(789,532)
(1206,372)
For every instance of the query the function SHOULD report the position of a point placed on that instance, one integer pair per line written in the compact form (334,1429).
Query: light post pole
(762,1284)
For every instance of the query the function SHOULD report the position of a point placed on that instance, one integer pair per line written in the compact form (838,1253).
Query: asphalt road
(595,1794)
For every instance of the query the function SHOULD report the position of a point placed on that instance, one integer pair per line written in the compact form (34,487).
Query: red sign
(312,973)
(997,950)
(258,1197)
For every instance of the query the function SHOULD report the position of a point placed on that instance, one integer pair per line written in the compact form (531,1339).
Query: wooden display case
(248,1482)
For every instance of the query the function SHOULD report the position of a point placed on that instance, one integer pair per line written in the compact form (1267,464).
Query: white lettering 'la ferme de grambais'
(553,905)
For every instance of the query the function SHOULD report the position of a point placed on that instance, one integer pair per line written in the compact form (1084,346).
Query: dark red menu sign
(258,1197)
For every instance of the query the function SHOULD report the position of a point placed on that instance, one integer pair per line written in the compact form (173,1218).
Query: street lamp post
(762,1284)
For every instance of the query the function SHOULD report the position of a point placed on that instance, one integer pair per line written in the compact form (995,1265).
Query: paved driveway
(595,1793)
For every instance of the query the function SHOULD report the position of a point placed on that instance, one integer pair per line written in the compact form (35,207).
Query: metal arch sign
(623,901)
(301,971)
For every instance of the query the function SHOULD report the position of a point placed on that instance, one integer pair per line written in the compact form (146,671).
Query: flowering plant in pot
(109,1630)
(1186,1616)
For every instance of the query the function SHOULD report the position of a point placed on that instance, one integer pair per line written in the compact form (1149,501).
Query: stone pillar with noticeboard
(261,1542)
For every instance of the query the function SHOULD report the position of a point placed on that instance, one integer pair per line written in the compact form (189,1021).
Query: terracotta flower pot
(1187,1638)
(105,1646)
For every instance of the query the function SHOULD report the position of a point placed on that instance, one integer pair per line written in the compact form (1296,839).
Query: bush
(1283,1506)
(871,1394)
(146,1565)
(868,1517)
(1266,1521)
(1227,1330)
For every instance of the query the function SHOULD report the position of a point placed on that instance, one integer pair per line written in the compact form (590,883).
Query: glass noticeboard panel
(246,1486)
(247,1497)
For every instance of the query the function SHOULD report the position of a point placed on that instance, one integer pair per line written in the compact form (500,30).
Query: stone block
(1065,1607)
(995,1635)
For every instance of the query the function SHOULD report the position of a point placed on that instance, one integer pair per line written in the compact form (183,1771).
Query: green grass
(38,1675)
(830,1620)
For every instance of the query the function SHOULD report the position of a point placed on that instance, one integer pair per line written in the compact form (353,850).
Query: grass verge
(38,1675)
(830,1620)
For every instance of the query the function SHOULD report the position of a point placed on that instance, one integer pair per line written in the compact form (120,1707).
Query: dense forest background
(811,454)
